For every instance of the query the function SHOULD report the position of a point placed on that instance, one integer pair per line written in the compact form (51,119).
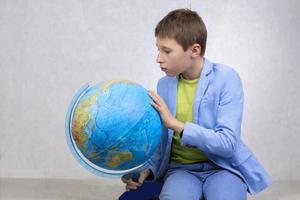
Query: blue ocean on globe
(111,127)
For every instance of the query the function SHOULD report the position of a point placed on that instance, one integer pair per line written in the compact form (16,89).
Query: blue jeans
(202,181)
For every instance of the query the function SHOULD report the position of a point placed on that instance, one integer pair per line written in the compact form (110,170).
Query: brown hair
(185,26)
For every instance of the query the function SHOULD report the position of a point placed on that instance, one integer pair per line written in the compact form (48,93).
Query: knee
(225,185)
(181,186)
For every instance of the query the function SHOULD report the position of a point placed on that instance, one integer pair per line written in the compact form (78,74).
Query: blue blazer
(216,129)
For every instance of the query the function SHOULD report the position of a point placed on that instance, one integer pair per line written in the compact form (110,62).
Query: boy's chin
(171,75)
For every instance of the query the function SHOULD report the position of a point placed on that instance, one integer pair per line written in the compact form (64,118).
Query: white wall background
(49,49)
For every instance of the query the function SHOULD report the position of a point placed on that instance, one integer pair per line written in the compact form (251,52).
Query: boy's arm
(222,140)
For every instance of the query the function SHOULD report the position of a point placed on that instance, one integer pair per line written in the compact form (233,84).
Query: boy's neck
(195,70)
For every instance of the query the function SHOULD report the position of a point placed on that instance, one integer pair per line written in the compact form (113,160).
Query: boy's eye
(166,51)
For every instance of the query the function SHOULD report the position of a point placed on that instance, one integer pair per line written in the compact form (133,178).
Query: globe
(111,127)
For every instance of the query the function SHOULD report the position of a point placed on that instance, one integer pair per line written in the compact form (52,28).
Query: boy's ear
(196,50)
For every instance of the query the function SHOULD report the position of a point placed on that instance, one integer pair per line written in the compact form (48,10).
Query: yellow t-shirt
(184,113)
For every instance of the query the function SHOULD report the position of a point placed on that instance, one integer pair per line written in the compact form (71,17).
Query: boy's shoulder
(224,73)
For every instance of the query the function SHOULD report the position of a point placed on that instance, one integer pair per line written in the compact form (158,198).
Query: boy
(201,154)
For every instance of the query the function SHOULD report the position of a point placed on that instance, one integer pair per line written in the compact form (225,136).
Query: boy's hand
(132,185)
(159,104)
(168,120)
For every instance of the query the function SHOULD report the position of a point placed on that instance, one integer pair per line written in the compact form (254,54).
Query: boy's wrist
(177,126)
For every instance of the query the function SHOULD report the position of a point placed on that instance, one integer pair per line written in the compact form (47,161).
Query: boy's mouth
(163,69)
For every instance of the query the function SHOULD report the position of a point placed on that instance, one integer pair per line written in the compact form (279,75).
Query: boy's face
(171,57)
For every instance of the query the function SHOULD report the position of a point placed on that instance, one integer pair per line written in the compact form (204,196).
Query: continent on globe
(111,127)
(119,158)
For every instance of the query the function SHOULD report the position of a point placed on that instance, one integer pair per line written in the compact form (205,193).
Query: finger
(151,91)
(133,183)
(130,187)
(125,179)
(155,105)
(159,98)
(142,177)
(129,181)
(153,96)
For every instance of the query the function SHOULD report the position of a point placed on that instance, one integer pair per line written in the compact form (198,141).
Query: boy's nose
(159,59)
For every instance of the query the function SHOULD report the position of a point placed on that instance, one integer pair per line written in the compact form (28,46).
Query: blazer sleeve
(222,139)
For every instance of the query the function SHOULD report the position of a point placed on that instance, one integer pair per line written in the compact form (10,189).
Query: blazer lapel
(172,100)
(172,95)
(202,87)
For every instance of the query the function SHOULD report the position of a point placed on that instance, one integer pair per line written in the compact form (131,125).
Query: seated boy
(201,154)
